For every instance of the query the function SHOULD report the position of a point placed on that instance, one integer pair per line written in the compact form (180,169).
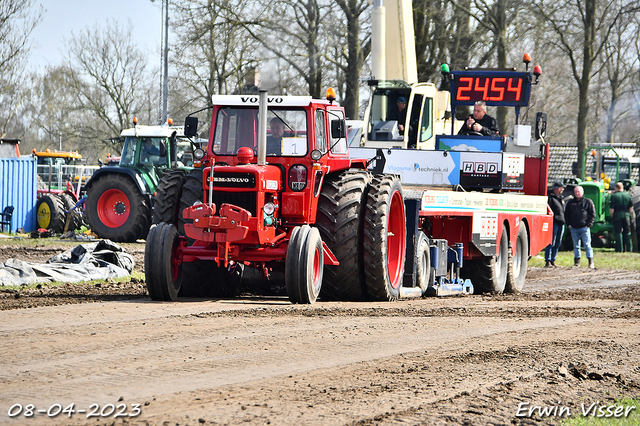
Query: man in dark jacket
(556,203)
(480,122)
(579,215)
(621,211)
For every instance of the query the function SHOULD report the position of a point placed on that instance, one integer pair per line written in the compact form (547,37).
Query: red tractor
(291,203)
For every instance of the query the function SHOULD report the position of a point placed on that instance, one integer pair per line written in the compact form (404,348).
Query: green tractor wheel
(117,210)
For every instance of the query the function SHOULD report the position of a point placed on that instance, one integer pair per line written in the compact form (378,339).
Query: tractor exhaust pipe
(262,129)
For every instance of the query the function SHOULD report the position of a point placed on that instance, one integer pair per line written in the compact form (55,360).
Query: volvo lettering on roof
(251,100)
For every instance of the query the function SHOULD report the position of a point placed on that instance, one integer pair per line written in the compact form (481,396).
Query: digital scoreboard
(504,88)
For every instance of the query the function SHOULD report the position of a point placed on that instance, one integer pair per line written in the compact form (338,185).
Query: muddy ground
(571,339)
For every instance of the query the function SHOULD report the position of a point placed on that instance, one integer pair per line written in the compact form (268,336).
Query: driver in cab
(480,123)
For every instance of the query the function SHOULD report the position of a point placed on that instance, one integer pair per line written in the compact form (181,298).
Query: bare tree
(53,110)
(581,31)
(214,52)
(356,49)
(18,18)
(107,79)
(621,64)
(443,35)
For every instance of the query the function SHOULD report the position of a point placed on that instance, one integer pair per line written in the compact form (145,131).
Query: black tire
(517,268)
(205,279)
(107,215)
(304,265)
(384,242)
(50,213)
(75,221)
(489,274)
(422,260)
(292,262)
(192,193)
(167,201)
(149,250)
(163,279)
(339,220)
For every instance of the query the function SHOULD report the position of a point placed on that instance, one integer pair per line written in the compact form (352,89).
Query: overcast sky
(61,17)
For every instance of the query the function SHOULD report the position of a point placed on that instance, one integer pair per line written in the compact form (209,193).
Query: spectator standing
(579,215)
(556,203)
(621,207)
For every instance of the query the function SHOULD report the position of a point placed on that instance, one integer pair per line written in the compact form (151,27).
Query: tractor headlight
(198,153)
(269,208)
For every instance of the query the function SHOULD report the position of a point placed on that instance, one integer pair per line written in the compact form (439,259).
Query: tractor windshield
(236,127)
(150,150)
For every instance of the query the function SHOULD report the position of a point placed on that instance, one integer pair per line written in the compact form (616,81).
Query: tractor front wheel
(384,238)
(304,265)
(117,210)
(163,273)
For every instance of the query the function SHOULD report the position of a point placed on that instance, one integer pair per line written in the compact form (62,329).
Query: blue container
(19,188)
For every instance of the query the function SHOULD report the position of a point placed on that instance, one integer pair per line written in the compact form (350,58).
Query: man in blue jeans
(556,203)
(579,215)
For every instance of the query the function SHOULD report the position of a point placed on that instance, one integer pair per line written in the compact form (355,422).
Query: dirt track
(572,337)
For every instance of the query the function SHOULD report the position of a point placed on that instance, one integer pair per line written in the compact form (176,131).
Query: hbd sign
(480,167)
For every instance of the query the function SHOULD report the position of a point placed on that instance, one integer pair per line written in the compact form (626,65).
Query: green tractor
(120,198)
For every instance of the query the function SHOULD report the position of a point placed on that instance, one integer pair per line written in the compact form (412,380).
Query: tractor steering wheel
(472,133)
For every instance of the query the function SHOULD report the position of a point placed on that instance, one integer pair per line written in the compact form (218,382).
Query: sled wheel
(167,200)
(50,213)
(517,268)
(489,274)
(117,210)
(304,265)
(339,220)
(422,260)
(384,242)
(162,270)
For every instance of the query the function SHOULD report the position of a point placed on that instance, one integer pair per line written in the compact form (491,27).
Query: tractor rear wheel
(422,260)
(517,268)
(339,220)
(384,244)
(117,210)
(50,213)
(167,200)
(163,273)
(304,265)
(489,274)
(192,193)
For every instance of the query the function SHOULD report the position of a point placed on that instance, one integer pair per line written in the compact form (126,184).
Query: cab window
(426,126)
(321,132)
